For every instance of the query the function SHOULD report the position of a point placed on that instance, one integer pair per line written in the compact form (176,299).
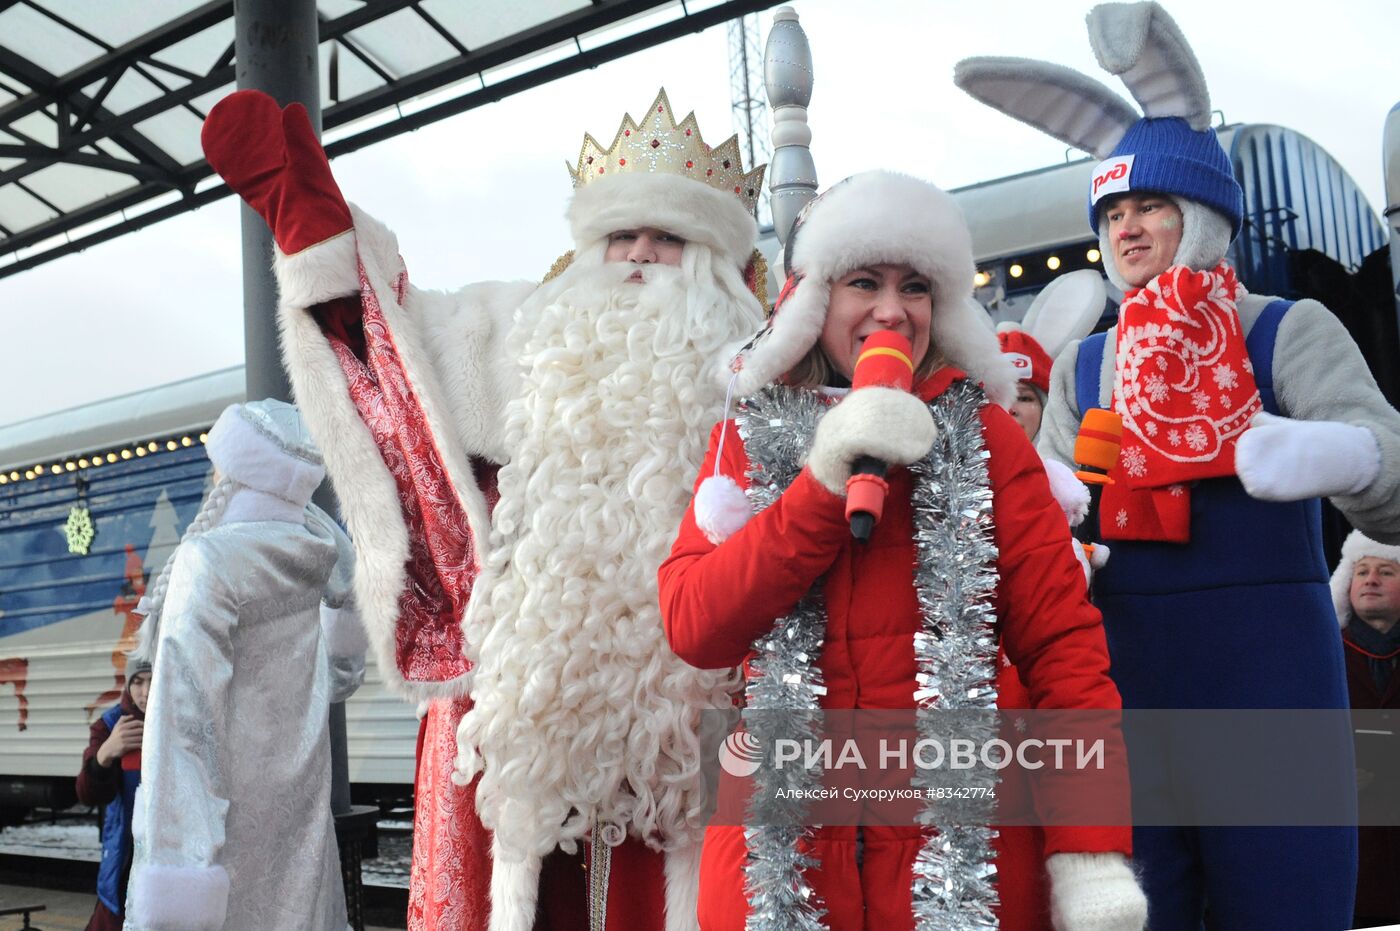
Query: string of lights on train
(99,459)
(1036,269)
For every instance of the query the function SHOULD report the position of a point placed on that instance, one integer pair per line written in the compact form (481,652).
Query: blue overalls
(1240,617)
(116,832)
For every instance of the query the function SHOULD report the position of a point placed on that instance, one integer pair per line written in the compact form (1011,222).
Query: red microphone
(887,360)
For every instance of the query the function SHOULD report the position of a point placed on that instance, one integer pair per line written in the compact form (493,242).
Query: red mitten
(272,159)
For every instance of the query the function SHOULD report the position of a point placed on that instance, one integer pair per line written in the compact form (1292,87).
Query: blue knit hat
(1167,156)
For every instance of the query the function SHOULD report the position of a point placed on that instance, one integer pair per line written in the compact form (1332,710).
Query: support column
(275,51)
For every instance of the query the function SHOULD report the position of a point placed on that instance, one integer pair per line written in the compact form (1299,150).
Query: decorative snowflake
(1225,377)
(1135,408)
(1135,461)
(1150,428)
(79,531)
(1162,363)
(1225,401)
(1121,518)
(1177,490)
(1249,366)
(1174,437)
(1157,388)
(1201,401)
(1196,437)
(1021,725)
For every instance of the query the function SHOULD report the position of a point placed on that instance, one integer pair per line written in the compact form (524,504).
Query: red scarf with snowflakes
(1184,386)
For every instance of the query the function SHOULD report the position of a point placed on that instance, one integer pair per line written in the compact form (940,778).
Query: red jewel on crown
(622,161)
(656,143)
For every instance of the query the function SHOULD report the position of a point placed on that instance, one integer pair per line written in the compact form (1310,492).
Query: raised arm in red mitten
(271,158)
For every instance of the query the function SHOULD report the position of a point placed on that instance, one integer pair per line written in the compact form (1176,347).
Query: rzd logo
(740,754)
(1112,176)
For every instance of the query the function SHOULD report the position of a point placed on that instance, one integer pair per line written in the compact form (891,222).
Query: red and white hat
(1030,358)
(873,218)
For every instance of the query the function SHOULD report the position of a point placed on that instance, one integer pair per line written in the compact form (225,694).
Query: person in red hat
(1033,365)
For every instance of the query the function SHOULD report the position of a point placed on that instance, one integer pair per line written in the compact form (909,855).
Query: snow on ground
(78,839)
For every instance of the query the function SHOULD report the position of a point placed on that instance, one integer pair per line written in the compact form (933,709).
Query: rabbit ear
(1070,106)
(1141,44)
(1066,310)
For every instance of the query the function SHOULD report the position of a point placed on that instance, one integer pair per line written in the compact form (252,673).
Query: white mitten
(1279,459)
(884,423)
(1094,892)
(1091,562)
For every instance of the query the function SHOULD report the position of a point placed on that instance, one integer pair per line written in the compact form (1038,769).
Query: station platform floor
(70,911)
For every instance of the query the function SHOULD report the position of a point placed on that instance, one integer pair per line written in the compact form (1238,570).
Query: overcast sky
(481,196)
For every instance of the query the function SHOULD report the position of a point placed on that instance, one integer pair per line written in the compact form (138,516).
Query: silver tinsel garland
(783,696)
(955,579)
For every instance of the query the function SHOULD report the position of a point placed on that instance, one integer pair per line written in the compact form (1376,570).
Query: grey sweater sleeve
(1320,374)
(1059,426)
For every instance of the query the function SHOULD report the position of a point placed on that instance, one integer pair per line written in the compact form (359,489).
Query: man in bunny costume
(506,455)
(1240,411)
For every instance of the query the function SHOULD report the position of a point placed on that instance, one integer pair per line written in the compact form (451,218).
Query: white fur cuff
(178,898)
(883,423)
(1068,490)
(319,273)
(343,630)
(721,508)
(515,889)
(1094,892)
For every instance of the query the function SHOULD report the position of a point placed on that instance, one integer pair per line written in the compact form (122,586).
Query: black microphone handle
(1089,526)
(863,522)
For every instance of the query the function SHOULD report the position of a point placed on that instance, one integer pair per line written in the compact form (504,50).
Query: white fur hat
(873,218)
(690,209)
(1357,546)
(265,445)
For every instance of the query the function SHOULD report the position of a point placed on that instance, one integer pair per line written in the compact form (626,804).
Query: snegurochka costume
(232,824)
(971,545)
(1239,412)
(512,459)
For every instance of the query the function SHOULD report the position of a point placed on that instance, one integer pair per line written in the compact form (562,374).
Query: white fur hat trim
(689,209)
(249,456)
(1357,546)
(882,217)
(721,508)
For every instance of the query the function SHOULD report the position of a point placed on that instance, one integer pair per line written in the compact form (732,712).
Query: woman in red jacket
(765,548)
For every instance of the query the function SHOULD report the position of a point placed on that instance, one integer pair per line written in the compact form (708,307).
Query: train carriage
(92,502)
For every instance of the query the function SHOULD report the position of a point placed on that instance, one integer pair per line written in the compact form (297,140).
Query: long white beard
(582,711)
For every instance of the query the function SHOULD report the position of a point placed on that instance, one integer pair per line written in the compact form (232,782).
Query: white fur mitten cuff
(1279,459)
(882,423)
(1094,892)
(178,898)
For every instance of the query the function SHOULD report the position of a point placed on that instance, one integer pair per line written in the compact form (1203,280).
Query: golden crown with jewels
(659,144)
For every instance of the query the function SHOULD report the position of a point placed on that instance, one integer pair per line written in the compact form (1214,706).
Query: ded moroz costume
(1239,410)
(565,408)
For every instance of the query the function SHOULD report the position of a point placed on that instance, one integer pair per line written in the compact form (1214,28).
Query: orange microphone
(886,359)
(1096,453)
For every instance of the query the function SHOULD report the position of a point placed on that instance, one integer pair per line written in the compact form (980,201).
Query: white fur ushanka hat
(1357,546)
(879,217)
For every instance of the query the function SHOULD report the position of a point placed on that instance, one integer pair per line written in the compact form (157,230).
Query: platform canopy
(101,100)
